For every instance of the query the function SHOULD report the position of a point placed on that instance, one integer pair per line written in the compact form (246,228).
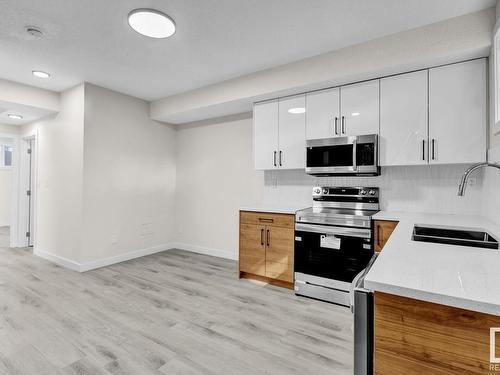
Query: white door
(403,119)
(292,133)
(323,114)
(265,127)
(457,113)
(359,104)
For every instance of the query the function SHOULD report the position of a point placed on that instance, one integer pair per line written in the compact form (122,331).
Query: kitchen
(333,211)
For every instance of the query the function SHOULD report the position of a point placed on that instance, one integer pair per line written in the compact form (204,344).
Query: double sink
(454,236)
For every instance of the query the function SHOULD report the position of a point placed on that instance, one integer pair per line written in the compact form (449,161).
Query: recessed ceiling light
(354,114)
(40,74)
(15,117)
(297,110)
(151,23)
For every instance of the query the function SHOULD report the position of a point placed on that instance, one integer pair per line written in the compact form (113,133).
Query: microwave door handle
(354,161)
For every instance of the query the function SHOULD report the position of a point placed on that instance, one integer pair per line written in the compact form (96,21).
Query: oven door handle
(340,231)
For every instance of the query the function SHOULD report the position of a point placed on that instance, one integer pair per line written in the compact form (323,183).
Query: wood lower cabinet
(383,230)
(267,247)
(415,337)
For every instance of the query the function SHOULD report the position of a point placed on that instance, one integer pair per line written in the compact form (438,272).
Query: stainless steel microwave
(341,156)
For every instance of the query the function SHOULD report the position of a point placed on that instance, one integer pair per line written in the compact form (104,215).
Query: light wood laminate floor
(171,313)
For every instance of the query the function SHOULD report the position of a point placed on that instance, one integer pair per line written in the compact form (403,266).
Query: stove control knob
(325,191)
(317,191)
(372,192)
(363,192)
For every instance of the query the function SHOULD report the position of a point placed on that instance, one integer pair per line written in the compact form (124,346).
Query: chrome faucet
(465,177)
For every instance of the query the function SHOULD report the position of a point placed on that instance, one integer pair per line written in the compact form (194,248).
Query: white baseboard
(66,263)
(205,250)
(87,266)
(123,257)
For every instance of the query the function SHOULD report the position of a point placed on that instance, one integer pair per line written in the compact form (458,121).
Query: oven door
(343,156)
(331,252)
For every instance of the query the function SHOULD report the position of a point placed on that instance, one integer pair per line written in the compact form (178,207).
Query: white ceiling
(29,113)
(89,40)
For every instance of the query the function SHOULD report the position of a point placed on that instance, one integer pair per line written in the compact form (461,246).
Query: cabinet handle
(423,149)
(335,121)
(433,149)
(262,237)
(265,220)
(378,235)
(268,238)
(343,125)
(281,152)
(274,158)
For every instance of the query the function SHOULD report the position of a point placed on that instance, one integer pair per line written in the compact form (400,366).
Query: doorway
(6,188)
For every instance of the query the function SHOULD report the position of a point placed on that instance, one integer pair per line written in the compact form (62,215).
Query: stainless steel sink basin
(454,236)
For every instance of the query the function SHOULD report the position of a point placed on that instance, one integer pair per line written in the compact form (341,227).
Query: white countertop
(459,276)
(273,209)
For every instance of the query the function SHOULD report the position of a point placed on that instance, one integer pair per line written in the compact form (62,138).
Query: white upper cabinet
(403,119)
(265,127)
(292,132)
(323,114)
(457,113)
(359,108)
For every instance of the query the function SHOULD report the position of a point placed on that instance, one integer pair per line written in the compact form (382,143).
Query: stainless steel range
(334,241)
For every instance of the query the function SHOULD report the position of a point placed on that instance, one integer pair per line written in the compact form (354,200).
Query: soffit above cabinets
(448,41)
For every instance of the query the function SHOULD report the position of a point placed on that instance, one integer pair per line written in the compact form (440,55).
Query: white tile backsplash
(491,188)
(416,188)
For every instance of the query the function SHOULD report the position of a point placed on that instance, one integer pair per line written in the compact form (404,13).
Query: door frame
(23,200)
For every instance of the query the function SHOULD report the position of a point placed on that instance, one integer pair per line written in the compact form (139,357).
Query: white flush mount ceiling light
(40,74)
(297,110)
(151,23)
(15,117)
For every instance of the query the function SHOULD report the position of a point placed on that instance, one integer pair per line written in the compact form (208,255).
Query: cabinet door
(457,113)
(265,127)
(323,114)
(403,119)
(253,249)
(292,133)
(359,104)
(279,253)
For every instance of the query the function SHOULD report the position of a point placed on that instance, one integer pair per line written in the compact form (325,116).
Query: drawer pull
(266,220)
(262,237)
(268,238)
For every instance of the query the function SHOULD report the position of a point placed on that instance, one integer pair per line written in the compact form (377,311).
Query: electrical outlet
(146,229)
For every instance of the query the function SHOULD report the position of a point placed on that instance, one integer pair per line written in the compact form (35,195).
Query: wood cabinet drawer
(279,271)
(269,219)
(383,230)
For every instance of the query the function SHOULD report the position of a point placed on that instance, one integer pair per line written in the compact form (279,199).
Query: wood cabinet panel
(279,245)
(416,337)
(266,218)
(252,249)
(383,230)
(279,271)
(267,243)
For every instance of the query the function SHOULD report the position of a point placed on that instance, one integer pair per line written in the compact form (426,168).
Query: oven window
(329,156)
(340,264)
(365,154)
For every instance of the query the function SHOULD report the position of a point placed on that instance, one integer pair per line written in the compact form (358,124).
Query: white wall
(60,177)
(128,179)
(215,177)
